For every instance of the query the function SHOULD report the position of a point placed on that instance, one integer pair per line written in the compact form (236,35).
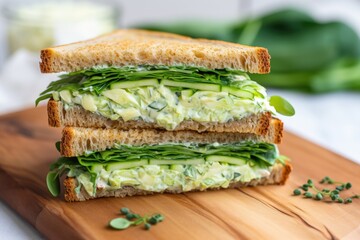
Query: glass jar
(34,25)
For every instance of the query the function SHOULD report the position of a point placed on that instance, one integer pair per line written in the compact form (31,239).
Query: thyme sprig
(309,190)
(133,219)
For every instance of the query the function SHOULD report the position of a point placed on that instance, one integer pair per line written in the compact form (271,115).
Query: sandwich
(147,112)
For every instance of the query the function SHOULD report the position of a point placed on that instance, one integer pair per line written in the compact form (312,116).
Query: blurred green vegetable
(305,54)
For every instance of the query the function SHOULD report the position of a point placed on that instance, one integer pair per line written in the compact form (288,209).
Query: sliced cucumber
(158,105)
(259,94)
(96,168)
(132,84)
(177,167)
(164,166)
(65,95)
(177,162)
(237,92)
(226,159)
(241,77)
(127,164)
(199,86)
(251,89)
(187,93)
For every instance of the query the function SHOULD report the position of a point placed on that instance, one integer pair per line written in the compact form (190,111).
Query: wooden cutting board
(268,212)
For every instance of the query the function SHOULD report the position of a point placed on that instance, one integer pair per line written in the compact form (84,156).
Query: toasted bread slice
(278,175)
(141,47)
(76,141)
(78,117)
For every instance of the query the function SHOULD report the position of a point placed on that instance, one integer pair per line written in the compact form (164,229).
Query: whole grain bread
(76,141)
(141,47)
(278,175)
(77,116)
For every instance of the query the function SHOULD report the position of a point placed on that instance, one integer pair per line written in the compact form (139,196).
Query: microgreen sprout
(124,210)
(147,226)
(308,194)
(311,191)
(297,192)
(133,219)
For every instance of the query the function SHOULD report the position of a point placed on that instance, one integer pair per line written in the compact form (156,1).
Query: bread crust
(142,47)
(55,113)
(77,116)
(279,175)
(76,141)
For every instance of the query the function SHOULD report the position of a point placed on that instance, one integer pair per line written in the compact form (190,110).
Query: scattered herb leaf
(123,223)
(53,183)
(311,191)
(124,210)
(282,106)
(120,223)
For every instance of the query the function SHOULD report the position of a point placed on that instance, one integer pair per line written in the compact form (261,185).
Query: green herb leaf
(260,154)
(311,191)
(124,210)
(297,192)
(53,183)
(57,145)
(282,106)
(147,226)
(96,80)
(308,194)
(120,223)
(42,97)
(139,221)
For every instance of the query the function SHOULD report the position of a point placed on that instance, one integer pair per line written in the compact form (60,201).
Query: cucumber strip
(199,86)
(96,168)
(127,164)
(226,159)
(237,92)
(187,93)
(259,94)
(165,167)
(177,167)
(251,89)
(157,105)
(132,84)
(177,162)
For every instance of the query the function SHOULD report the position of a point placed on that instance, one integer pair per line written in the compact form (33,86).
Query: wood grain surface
(268,212)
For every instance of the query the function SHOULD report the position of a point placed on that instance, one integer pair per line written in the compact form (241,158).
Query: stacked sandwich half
(148,112)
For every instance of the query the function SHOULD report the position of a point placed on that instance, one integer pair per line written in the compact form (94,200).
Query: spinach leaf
(53,183)
(96,80)
(260,153)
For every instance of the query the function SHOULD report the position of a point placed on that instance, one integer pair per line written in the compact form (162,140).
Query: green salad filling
(162,167)
(166,95)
